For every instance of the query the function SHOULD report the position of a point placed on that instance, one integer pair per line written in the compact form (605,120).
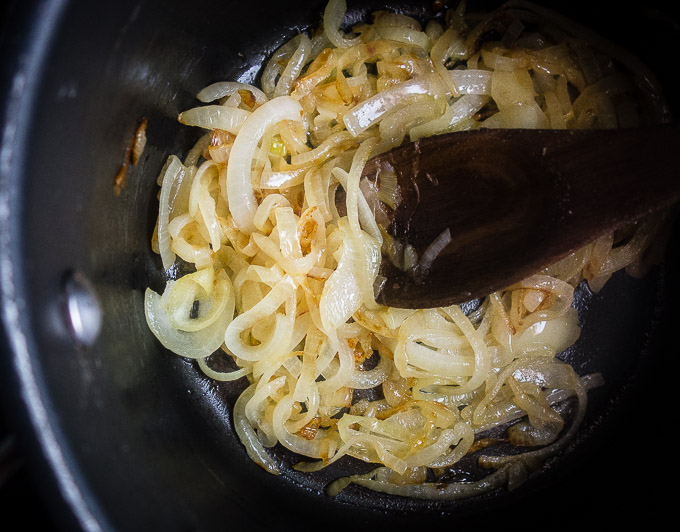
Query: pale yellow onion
(519,116)
(265,388)
(262,310)
(200,200)
(178,223)
(309,467)
(286,227)
(464,436)
(294,66)
(395,125)
(196,152)
(447,438)
(271,180)
(434,30)
(248,436)
(449,44)
(542,453)
(242,202)
(369,112)
(482,365)
(294,135)
(270,203)
(434,491)
(365,380)
(333,17)
(350,181)
(198,254)
(220,89)
(455,114)
(173,173)
(344,370)
(556,334)
(284,362)
(222,376)
(471,81)
(291,441)
(360,214)
(405,35)
(436,362)
(324,150)
(197,344)
(202,287)
(391,434)
(341,296)
(386,19)
(311,400)
(229,119)
(294,266)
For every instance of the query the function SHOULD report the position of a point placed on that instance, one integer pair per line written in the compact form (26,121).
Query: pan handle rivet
(81,307)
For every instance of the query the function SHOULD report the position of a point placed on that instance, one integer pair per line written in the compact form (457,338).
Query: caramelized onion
(284,244)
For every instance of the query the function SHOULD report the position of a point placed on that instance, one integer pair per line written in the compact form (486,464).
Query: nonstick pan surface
(121,435)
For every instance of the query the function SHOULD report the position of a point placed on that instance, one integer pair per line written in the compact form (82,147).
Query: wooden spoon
(508,203)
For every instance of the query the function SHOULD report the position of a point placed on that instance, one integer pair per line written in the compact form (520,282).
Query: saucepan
(118,433)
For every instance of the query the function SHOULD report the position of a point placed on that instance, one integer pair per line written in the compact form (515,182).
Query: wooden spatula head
(508,203)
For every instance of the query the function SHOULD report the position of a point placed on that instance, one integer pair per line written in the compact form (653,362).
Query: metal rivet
(82,309)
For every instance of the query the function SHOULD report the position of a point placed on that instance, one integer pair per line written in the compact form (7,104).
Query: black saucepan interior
(126,436)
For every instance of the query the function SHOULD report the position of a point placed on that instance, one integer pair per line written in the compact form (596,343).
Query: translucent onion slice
(266,308)
(294,442)
(449,44)
(333,17)
(468,81)
(482,360)
(195,294)
(430,490)
(240,194)
(405,35)
(248,436)
(222,376)
(195,344)
(365,380)
(432,362)
(172,176)
(456,114)
(464,436)
(294,66)
(336,141)
(556,334)
(271,180)
(372,110)
(215,117)
(447,438)
(202,206)
(341,296)
(519,115)
(221,89)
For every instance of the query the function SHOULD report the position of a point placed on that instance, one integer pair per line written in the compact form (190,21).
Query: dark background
(19,501)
